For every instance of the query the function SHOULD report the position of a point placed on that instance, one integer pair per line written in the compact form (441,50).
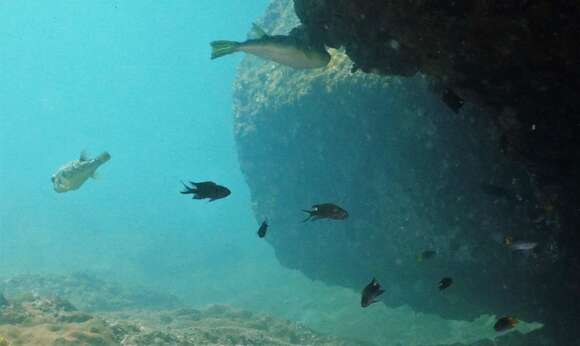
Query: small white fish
(394,44)
(521,245)
(74,174)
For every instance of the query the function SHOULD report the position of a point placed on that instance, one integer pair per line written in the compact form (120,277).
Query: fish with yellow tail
(285,50)
(505,323)
(518,245)
(74,174)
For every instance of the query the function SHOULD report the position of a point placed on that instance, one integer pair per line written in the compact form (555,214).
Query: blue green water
(134,78)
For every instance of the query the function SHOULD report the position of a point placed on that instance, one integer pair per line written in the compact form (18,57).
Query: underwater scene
(290,172)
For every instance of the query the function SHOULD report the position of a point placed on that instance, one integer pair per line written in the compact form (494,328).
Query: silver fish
(74,174)
(285,50)
(521,245)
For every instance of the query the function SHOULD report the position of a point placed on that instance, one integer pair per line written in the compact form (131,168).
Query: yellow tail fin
(221,48)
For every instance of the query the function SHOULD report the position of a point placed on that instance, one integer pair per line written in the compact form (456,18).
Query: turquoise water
(134,78)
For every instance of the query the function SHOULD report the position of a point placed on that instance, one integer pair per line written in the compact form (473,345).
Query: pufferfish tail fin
(104,157)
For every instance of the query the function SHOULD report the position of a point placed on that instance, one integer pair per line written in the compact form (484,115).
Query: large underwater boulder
(413,174)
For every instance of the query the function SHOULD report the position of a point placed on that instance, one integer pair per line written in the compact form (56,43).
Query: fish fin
(258,31)
(309,216)
(187,190)
(221,48)
(104,157)
(202,183)
(84,156)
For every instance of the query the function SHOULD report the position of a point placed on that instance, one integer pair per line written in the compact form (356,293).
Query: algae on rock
(410,172)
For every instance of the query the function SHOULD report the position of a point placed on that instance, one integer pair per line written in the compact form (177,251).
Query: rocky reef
(36,319)
(87,292)
(414,173)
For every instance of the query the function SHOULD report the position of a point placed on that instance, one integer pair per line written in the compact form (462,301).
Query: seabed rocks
(28,319)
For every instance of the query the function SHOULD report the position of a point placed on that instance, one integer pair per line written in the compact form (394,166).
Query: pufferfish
(73,175)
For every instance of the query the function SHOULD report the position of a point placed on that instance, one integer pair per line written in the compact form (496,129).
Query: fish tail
(187,190)
(221,48)
(310,215)
(104,157)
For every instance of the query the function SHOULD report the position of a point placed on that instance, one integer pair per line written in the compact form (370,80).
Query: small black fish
(445,283)
(426,255)
(263,229)
(505,323)
(452,100)
(370,293)
(325,211)
(206,189)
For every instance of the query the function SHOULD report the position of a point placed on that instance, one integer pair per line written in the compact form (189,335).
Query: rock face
(515,57)
(413,174)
